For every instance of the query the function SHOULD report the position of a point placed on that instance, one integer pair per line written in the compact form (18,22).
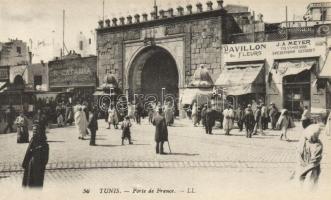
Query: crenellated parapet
(169,14)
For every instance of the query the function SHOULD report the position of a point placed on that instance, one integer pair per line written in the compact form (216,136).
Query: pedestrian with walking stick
(161,131)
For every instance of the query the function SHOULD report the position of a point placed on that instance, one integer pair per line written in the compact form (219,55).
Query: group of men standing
(254,117)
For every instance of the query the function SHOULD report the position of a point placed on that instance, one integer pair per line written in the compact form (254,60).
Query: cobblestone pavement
(190,148)
(215,166)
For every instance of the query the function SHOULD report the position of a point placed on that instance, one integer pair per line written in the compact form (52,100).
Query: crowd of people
(254,118)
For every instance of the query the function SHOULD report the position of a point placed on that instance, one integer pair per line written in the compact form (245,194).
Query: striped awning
(291,68)
(242,79)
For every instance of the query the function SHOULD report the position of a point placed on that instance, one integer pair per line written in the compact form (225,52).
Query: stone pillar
(153,15)
(162,14)
(129,19)
(114,21)
(107,22)
(209,5)
(180,11)
(100,23)
(122,19)
(220,4)
(189,9)
(137,18)
(171,12)
(199,7)
(145,19)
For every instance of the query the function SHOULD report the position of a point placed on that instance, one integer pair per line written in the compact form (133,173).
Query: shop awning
(2,84)
(190,95)
(242,79)
(326,70)
(291,68)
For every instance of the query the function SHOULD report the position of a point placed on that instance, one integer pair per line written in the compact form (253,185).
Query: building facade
(289,70)
(73,74)
(166,50)
(14,52)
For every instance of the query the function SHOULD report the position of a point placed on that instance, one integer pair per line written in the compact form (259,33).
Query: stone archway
(152,69)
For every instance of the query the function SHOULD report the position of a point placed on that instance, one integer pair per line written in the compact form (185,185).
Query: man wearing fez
(161,131)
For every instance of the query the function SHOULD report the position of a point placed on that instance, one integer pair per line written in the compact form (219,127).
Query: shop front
(242,83)
(199,91)
(290,73)
(297,75)
(74,78)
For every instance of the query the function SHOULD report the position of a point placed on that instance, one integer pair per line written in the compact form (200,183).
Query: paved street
(212,164)
(188,143)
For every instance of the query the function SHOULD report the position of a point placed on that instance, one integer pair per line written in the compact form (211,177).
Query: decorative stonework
(174,29)
(132,35)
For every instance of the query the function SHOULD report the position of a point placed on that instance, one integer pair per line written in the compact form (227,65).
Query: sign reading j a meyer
(78,72)
(275,50)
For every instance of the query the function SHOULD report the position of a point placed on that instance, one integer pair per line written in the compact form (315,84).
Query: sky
(41,20)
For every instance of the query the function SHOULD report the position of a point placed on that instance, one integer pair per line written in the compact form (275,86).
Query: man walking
(210,117)
(228,119)
(273,114)
(10,118)
(249,121)
(265,118)
(240,117)
(258,120)
(161,131)
(93,124)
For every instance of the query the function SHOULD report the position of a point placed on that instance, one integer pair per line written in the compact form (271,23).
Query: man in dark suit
(210,119)
(161,131)
(93,124)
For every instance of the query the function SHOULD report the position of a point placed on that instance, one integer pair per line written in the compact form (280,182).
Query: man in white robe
(81,122)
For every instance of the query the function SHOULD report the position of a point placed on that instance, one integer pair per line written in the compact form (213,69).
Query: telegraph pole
(63,27)
(155,10)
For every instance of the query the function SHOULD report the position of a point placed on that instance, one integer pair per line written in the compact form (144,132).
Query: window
(37,80)
(81,45)
(89,41)
(18,50)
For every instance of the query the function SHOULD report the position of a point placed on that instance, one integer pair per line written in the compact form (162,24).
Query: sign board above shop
(251,51)
(4,73)
(78,72)
(310,47)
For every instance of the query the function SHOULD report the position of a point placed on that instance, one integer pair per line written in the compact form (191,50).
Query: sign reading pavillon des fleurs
(276,50)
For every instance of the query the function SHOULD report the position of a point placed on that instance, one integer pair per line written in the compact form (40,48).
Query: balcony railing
(283,34)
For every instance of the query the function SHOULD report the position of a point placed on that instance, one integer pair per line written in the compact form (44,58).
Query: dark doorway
(159,72)
(154,68)
(297,93)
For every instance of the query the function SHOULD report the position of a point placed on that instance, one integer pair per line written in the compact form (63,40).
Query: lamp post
(162,96)
(127,95)
(111,95)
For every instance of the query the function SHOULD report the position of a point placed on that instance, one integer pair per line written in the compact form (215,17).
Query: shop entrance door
(297,93)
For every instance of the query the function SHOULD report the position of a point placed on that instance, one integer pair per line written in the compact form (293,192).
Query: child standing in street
(284,122)
(126,133)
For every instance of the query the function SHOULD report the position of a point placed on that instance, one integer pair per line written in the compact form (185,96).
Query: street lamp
(110,94)
(162,97)
(127,95)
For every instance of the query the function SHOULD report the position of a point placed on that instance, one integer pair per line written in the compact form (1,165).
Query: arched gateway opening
(152,69)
